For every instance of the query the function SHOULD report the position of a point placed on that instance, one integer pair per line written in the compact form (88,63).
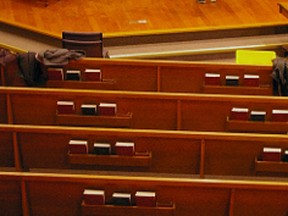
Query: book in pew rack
(257,115)
(285,156)
(94,197)
(212,79)
(65,107)
(231,80)
(271,154)
(121,199)
(55,73)
(107,109)
(92,75)
(279,115)
(241,114)
(73,75)
(102,148)
(251,80)
(78,147)
(89,109)
(145,198)
(125,148)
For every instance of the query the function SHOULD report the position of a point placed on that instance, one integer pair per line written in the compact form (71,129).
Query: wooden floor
(131,17)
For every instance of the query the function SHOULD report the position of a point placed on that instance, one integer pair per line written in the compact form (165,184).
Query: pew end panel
(54,198)
(10,196)
(6,150)
(44,150)
(3,109)
(2,75)
(37,109)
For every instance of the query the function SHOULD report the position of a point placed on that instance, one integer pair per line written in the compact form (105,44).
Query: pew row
(62,194)
(202,154)
(156,76)
(144,110)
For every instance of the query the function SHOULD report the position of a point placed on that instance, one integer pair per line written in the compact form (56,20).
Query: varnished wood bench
(62,194)
(201,154)
(157,76)
(141,110)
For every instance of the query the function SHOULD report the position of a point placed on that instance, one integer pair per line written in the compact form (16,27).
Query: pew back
(62,194)
(168,111)
(175,152)
(159,76)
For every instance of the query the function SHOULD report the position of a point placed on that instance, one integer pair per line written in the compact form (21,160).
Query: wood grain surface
(130,17)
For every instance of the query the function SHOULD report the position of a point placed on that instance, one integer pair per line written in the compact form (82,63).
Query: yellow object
(255,57)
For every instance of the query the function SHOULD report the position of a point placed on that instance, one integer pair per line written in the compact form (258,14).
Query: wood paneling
(138,17)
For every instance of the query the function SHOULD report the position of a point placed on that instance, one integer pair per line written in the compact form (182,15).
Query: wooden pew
(62,194)
(167,111)
(7,150)
(176,152)
(158,76)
